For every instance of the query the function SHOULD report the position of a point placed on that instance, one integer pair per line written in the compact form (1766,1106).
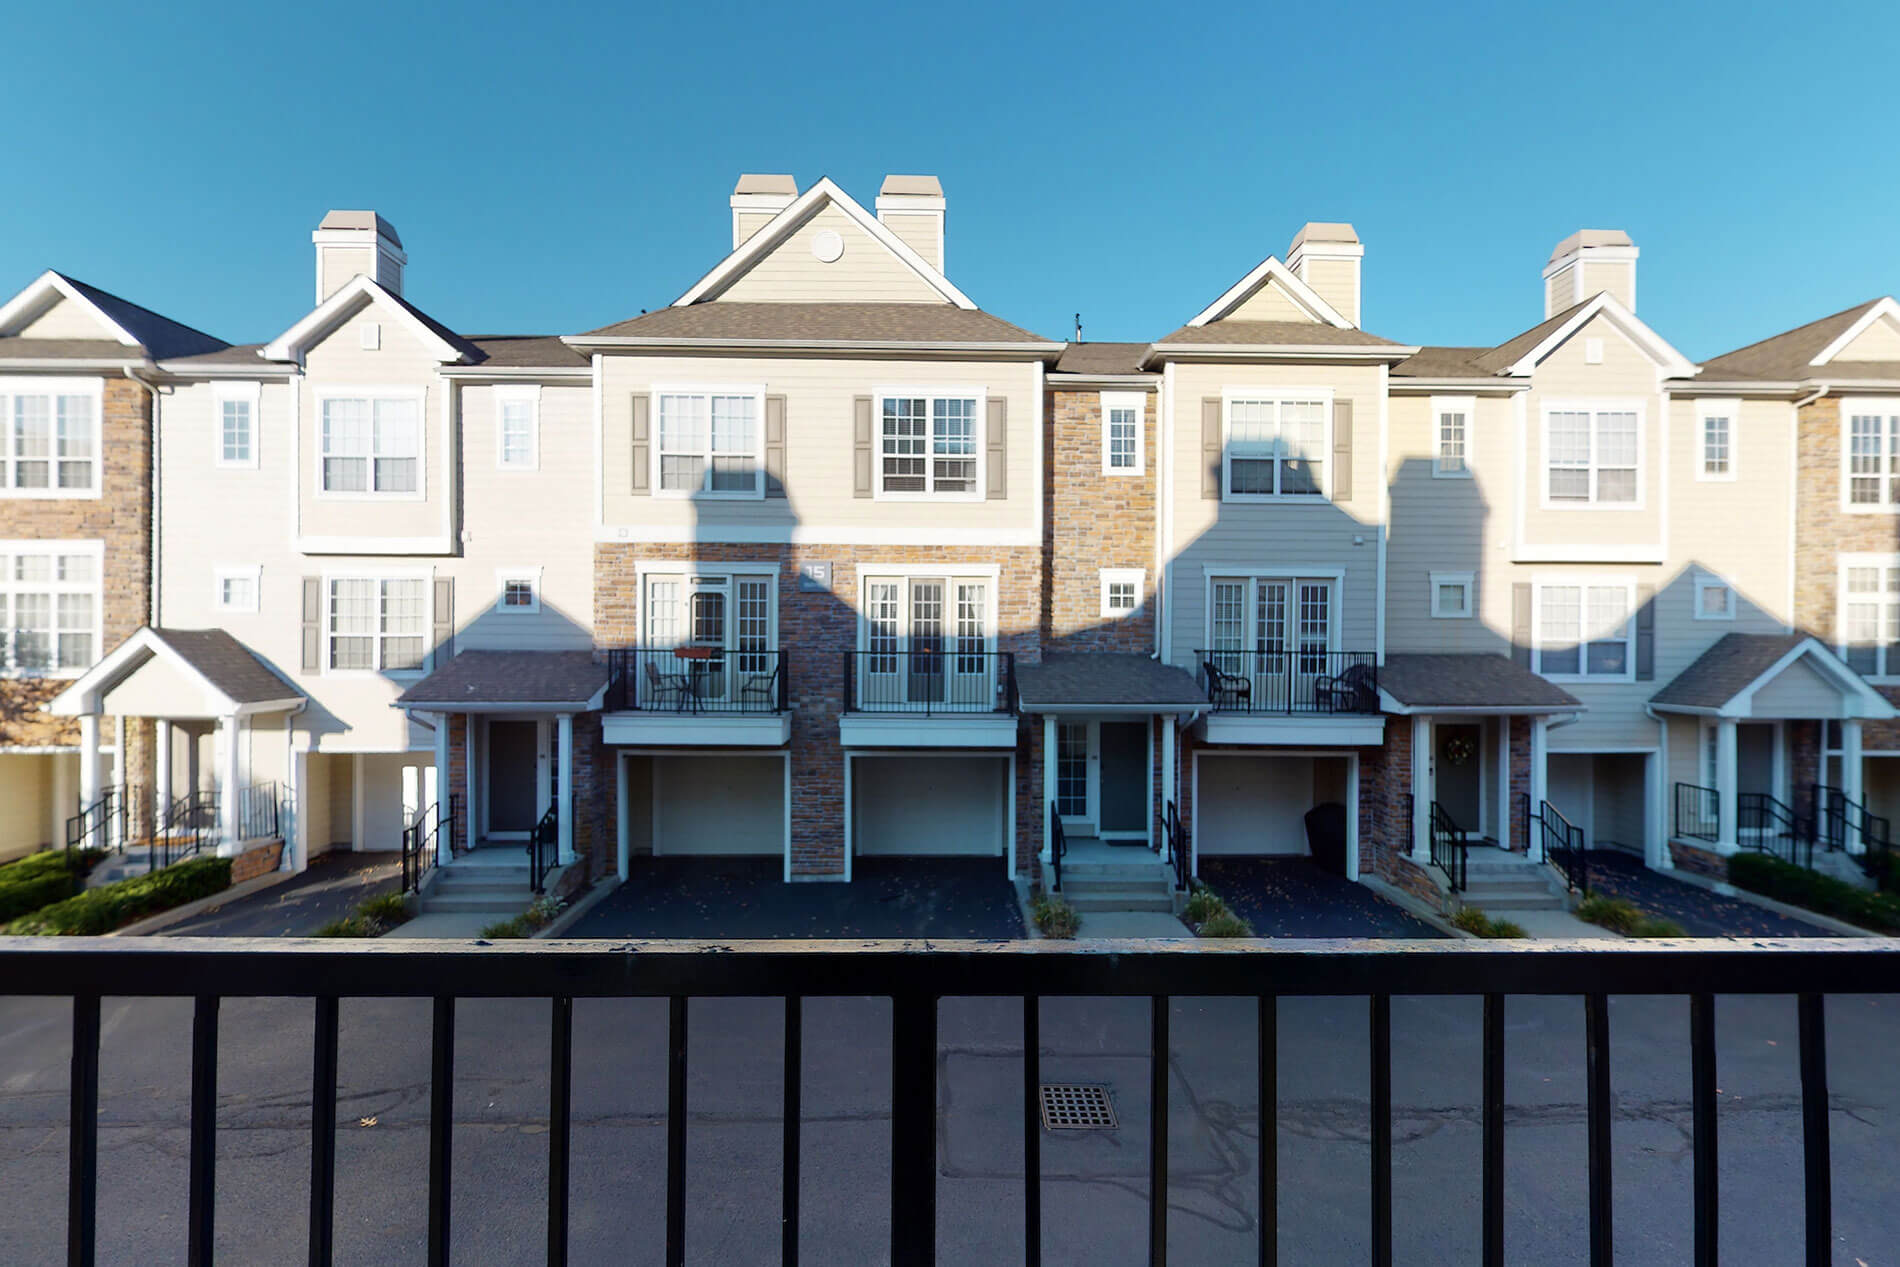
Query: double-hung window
(49,607)
(929,444)
(236,423)
(372,445)
(1870,616)
(1121,432)
(377,624)
(710,443)
(1276,446)
(1592,455)
(1586,629)
(517,428)
(1452,423)
(50,445)
(927,642)
(1871,450)
(1715,438)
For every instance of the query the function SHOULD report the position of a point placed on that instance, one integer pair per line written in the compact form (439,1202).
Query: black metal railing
(1698,812)
(916,976)
(698,679)
(1449,846)
(544,844)
(1177,840)
(422,840)
(1766,825)
(1835,817)
(101,825)
(190,823)
(1562,841)
(1058,844)
(929,681)
(1315,682)
(260,812)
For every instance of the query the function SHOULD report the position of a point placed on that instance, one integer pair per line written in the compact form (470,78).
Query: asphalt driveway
(1291,897)
(747,898)
(1701,913)
(329,889)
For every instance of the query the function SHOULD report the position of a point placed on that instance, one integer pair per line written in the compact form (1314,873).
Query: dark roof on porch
(1467,680)
(228,665)
(1726,669)
(492,678)
(1098,678)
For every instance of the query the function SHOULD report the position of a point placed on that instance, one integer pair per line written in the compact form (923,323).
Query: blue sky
(554,169)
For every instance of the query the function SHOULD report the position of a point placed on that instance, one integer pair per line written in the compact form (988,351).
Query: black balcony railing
(915,977)
(1307,682)
(930,680)
(259,812)
(697,679)
(1698,812)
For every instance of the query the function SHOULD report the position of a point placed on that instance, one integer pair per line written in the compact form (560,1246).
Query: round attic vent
(827,246)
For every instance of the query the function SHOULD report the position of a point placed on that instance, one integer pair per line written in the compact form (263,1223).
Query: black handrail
(1290,681)
(543,847)
(190,823)
(930,681)
(1058,844)
(1177,846)
(698,680)
(1564,846)
(1766,825)
(258,808)
(1698,812)
(422,840)
(93,827)
(1834,814)
(1450,845)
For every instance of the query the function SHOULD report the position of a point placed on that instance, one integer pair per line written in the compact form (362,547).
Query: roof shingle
(228,665)
(1131,680)
(1305,334)
(1726,669)
(822,323)
(510,677)
(1469,680)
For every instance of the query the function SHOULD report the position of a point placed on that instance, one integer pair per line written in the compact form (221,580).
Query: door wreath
(1459,749)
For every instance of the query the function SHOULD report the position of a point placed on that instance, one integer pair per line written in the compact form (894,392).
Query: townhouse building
(821,562)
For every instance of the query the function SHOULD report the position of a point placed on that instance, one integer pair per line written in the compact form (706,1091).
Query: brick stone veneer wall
(1520,734)
(1385,824)
(1698,861)
(596,809)
(1095,521)
(261,860)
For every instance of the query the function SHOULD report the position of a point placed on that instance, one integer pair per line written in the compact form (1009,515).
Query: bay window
(1275,447)
(709,443)
(1592,456)
(1586,630)
(928,444)
(49,437)
(371,445)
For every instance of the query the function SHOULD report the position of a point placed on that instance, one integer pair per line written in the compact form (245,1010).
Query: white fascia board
(481,373)
(1280,352)
(1029,351)
(1391,705)
(291,344)
(128,656)
(50,283)
(1130,382)
(1673,363)
(1733,387)
(978,730)
(1874,704)
(1456,386)
(657,729)
(781,226)
(173,372)
(1304,732)
(1271,269)
(1883,307)
(70,365)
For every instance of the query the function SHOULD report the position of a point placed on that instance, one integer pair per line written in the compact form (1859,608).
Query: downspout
(1813,396)
(152,498)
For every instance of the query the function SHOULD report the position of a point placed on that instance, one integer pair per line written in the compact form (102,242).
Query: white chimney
(755,200)
(912,207)
(1589,261)
(1326,257)
(352,242)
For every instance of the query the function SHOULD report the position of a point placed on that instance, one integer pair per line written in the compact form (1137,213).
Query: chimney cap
(359,220)
(1584,239)
(755,183)
(910,187)
(1325,231)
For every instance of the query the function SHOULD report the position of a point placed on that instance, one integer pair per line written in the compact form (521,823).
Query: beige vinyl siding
(337,265)
(1337,282)
(750,222)
(1878,342)
(1560,291)
(29,787)
(921,231)
(67,320)
(1616,277)
(1210,536)
(1683,753)
(867,272)
(404,362)
(159,688)
(1269,303)
(1736,529)
(1798,691)
(819,446)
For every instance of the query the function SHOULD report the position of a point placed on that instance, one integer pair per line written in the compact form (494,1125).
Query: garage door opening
(1253,805)
(916,806)
(1604,793)
(701,805)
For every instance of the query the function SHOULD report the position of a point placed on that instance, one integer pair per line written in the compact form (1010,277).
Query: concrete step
(1527,902)
(1144,865)
(1120,900)
(1116,880)
(482,904)
(486,878)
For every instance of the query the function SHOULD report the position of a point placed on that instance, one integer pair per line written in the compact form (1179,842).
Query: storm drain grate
(1068,1106)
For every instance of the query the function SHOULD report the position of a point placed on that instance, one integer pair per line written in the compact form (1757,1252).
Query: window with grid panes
(50,444)
(1585,630)
(1275,447)
(234,431)
(1453,425)
(1870,619)
(371,445)
(49,607)
(1124,430)
(928,444)
(1873,456)
(709,444)
(1716,440)
(378,624)
(1591,456)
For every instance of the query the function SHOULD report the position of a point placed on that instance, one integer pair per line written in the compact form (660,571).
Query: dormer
(350,243)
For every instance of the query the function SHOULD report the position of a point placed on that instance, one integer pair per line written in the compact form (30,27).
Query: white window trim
(1123,576)
(1704,410)
(251,394)
(97,550)
(1277,395)
(529,394)
(1842,564)
(1442,405)
(532,575)
(979,490)
(756,391)
(644,571)
(1583,584)
(1335,579)
(1137,401)
(425,575)
(1635,405)
(1887,407)
(1709,581)
(371,393)
(1467,579)
(254,573)
(990,574)
(89,387)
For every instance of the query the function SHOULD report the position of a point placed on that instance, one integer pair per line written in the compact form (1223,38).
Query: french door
(1275,633)
(927,642)
(730,616)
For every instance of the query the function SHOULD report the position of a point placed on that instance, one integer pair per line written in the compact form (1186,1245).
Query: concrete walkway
(1131,924)
(1556,926)
(460,924)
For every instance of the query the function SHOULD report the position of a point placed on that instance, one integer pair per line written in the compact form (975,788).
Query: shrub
(348,926)
(1473,920)
(1506,928)
(1202,905)
(115,905)
(501,930)
(1786,882)
(1055,918)
(41,879)
(1657,926)
(1224,923)
(372,918)
(543,911)
(1619,915)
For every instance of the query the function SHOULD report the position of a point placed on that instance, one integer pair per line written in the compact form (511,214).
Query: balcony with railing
(1261,690)
(698,694)
(936,694)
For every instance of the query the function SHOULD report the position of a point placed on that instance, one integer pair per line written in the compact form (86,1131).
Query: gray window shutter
(1342,450)
(1211,447)
(1521,623)
(442,630)
(775,446)
(996,441)
(642,444)
(862,441)
(1645,633)
(313,624)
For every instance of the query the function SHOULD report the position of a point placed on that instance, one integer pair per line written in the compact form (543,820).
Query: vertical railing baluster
(1032,1131)
(1158,1130)
(441,1127)
(1702,1094)
(1815,1167)
(1380,1028)
(794,1113)
(202,1182)
(1493,1180)
(323,1134)
(914,1129)
(82,1149)
(1267,1026)
(676,1132)
(1596,1023)
(560,1122)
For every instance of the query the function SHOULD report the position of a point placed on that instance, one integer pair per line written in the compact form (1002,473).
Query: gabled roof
(136,329)
(1422,682)
(1274,334)
(1796,354)
(293,343)
(1722,680)
(526,351)
(774,324)
(823,194)
(1271,271)
(510,679)
(222,665)
(1517,357)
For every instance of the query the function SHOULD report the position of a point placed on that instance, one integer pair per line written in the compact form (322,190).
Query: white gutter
(1810,398)
(876,345)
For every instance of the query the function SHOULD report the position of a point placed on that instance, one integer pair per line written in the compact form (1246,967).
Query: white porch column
(230,727)
(1507,809)
(1421,788)
(1048,784)
(1726,775)
(88,758)
(1540,781)
(623,816)
(468,780)
(565,742)
(1851,782)
(1168,790)
(442,788)
(161,774)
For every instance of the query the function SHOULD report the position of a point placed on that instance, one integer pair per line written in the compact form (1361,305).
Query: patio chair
(1227,690)
(760,692)
(1350,691)
(662,687)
